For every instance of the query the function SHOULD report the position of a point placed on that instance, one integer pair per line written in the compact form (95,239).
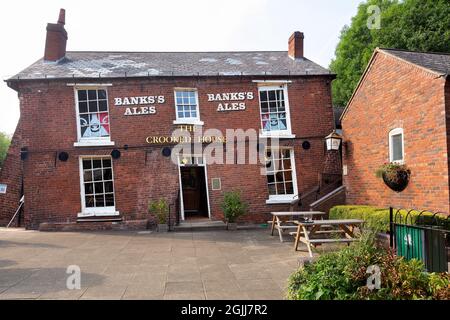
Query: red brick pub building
(93,146)
(400,112)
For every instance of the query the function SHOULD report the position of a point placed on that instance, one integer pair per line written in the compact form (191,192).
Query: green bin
(410,242)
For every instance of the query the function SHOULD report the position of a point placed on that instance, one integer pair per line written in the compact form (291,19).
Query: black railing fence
(421,235)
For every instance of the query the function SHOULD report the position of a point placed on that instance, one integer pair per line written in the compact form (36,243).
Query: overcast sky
(164,25)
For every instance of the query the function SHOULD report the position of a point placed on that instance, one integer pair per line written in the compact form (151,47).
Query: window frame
(284,198)
(191,121)
(276,133)
(95,211)
(392,133)
(91,141)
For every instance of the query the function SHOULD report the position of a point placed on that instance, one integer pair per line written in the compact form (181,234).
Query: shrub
(233,206)
(378,218)
(342,276)
(160,208)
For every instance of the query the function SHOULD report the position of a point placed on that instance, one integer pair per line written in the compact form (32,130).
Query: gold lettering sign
(184,139)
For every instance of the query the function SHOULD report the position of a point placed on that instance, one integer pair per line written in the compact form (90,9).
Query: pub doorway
(193,189)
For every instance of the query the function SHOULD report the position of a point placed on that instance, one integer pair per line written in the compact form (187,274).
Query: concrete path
(244,264)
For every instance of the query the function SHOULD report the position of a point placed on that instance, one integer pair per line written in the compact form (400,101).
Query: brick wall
(11,175)
(396,94)
(48,123)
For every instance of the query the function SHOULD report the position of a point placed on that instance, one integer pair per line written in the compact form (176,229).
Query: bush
(160,208)
(342,276)
(233,206)
(378,218)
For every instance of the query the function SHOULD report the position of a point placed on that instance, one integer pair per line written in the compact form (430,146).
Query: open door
(194,191)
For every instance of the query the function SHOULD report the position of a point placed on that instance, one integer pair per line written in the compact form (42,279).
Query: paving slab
(246,264)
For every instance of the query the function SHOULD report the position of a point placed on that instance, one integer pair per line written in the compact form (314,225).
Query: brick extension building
(80,108)
(400,112)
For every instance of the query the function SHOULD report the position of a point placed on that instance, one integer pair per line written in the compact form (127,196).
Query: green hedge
(378,218)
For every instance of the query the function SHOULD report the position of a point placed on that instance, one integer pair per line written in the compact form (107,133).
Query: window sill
(287,200)
(277,135)
(98,214)
(399,162)
(94,143)
(189,122)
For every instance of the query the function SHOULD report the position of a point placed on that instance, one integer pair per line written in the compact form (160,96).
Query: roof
(437,62)
(81,64)
(337,116)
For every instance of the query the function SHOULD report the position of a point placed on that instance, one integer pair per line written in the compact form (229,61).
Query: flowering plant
(393,172)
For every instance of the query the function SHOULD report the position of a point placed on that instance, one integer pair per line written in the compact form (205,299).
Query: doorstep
(207,225)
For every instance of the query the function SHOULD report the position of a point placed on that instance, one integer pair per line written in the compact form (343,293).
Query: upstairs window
(93,115)
(186,105)
(274,110)
(396,146)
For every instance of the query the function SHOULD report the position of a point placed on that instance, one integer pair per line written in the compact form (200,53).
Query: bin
(409,241)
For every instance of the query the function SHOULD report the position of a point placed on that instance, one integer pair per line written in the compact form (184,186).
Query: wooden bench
(309,233)
(288,222)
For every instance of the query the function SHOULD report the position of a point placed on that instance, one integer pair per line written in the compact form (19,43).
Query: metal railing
(420,235)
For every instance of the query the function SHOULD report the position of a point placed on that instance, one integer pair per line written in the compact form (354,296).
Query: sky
(164,25)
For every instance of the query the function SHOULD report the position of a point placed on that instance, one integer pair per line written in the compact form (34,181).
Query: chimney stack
(296,45)
(55,43)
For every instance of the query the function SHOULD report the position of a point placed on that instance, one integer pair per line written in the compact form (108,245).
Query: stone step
(200,226)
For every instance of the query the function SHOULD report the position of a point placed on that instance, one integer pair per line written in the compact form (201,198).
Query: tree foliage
(416,25)
(5,141)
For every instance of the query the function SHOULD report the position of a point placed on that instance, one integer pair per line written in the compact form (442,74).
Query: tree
(416,25)
(5,141)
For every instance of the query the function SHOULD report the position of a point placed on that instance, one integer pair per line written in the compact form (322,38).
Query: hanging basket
(399,182)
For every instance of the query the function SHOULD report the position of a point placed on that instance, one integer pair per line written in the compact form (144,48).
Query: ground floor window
(280,171)
(97,185)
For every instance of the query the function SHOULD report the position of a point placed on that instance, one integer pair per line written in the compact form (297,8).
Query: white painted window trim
(191,121)
(392,133)
(98,211)
(97,141)
(277,133)
(285,198)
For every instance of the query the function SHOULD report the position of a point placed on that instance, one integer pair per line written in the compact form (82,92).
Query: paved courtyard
(246,264)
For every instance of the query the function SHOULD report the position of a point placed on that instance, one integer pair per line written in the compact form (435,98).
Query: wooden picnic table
(280,224)
(311,231)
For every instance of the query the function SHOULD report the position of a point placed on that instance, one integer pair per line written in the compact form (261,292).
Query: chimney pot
(56,40)
(62,17)
(296,48)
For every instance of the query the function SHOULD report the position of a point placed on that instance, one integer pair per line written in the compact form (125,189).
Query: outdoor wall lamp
(333,141)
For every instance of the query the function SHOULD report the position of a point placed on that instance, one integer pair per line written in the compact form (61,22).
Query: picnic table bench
(311,230)
(286,220)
